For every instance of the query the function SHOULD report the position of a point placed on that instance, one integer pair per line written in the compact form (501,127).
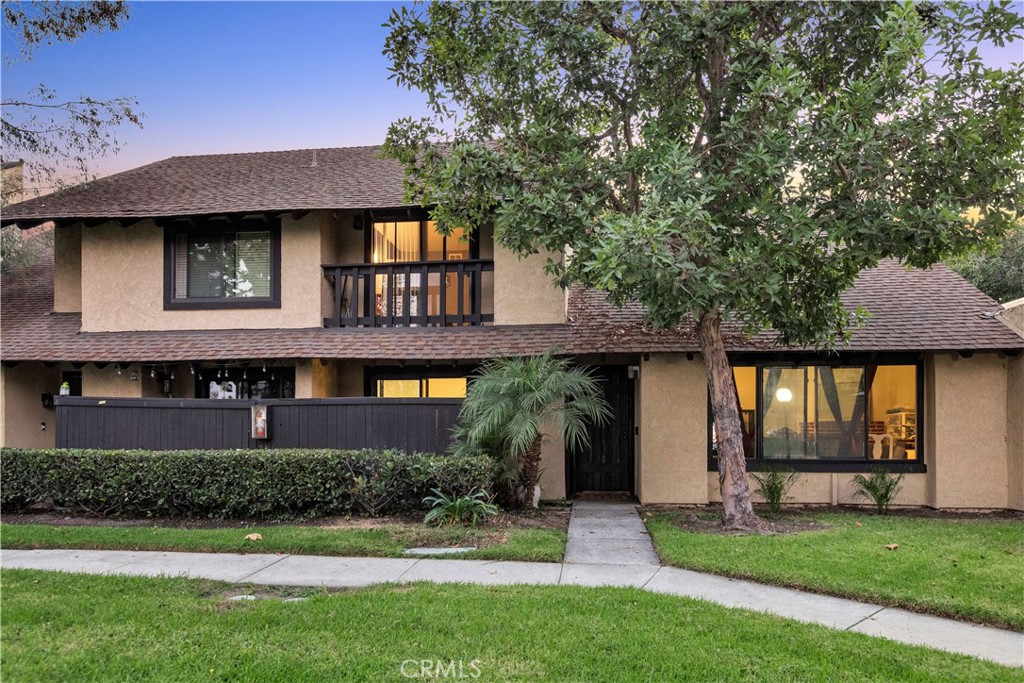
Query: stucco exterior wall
(24,422)
(106,382)
(123,282)
(1015,433)
(672,450)
(552,464)
(67,269)
(833,488)
(967,454)
(523,292)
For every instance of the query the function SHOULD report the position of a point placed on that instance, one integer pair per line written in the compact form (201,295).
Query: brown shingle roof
(914,310)
(229,183)
(911,310)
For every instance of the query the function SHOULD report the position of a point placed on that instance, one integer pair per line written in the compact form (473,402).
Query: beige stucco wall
(67,269)
(107,382)
(24,422)
(1015,433)
(967,452)
(974,428)
(672,450)
(833,488)
(523,292)
(123,282)
(552,464)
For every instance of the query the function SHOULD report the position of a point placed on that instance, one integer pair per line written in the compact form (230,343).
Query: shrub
(245,483)
(774,484)
(881,486)
(451,510)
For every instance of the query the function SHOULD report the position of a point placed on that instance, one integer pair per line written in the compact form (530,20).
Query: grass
(64,627)
(535,545)
(970,568)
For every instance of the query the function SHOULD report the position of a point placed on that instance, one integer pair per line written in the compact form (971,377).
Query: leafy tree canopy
(716,159)
(997,270)
(742,159)
(59,137)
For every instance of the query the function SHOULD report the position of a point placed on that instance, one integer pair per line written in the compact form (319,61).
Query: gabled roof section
(307,179)
(911,310)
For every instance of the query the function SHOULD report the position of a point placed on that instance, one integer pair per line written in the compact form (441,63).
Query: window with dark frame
(422,382)
(816,413)
(222,266)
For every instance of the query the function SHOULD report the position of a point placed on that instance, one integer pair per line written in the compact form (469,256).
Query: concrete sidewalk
(1003,647)
(608,546)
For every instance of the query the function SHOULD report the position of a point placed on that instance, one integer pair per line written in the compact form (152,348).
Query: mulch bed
(707,519)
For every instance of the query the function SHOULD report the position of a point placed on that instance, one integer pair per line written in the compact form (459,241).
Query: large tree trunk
(737,510)
(530,468)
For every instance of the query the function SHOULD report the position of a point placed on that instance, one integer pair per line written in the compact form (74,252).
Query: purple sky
(244,76)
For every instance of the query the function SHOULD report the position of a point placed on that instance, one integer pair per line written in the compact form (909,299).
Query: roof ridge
(266,151)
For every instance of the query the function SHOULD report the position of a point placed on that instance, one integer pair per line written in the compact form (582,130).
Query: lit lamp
(784,395)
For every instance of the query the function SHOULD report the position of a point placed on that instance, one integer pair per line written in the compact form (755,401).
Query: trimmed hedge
(245,483)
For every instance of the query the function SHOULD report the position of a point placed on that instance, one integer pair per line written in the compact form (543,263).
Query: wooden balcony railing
(421,293)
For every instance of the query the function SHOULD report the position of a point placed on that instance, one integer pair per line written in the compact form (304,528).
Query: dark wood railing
(421,293)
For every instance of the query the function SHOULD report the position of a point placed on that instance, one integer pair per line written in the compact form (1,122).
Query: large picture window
(211,268)
(820,413)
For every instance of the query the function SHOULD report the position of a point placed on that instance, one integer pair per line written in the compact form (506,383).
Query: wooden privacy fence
(162,424)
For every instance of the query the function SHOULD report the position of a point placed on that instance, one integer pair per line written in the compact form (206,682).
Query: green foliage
(997,270)
(881,486)
(739,161)
(509,401)
(958,567)
(104,629)
(448,510)
(17,253)
(59,135)
(745,158)
(774,484)
(252,484)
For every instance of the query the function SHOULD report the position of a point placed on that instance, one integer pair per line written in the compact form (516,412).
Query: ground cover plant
(966,568)
(388,540)
(64,627)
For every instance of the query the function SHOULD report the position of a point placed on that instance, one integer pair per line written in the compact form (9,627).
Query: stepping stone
(242,598)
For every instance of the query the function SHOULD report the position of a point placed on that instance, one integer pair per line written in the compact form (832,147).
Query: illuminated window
(828,412)
(422,387)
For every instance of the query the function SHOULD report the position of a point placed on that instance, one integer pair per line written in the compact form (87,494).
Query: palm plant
(511,399)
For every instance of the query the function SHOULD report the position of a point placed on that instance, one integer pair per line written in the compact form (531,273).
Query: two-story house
(304,275)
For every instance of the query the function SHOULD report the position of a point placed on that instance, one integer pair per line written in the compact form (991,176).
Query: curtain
(860,406)
(771,383)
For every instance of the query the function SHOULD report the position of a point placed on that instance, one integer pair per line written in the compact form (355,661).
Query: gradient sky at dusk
(244,76)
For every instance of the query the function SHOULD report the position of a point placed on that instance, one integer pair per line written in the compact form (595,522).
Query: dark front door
(607,464)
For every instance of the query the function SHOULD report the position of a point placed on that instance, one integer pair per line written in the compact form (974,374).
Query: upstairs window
(210,268)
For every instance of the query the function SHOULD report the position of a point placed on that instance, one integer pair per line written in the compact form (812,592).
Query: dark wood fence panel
(161,424)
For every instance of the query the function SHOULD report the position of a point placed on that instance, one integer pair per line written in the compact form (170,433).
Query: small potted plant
(65,389)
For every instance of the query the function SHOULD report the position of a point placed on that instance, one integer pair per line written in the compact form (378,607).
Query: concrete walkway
(623,556)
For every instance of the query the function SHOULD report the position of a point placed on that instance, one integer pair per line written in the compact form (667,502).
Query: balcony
(415,294)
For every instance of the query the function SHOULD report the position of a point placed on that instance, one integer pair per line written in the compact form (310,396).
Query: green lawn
(536,545)
(971,568)
(63,627)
